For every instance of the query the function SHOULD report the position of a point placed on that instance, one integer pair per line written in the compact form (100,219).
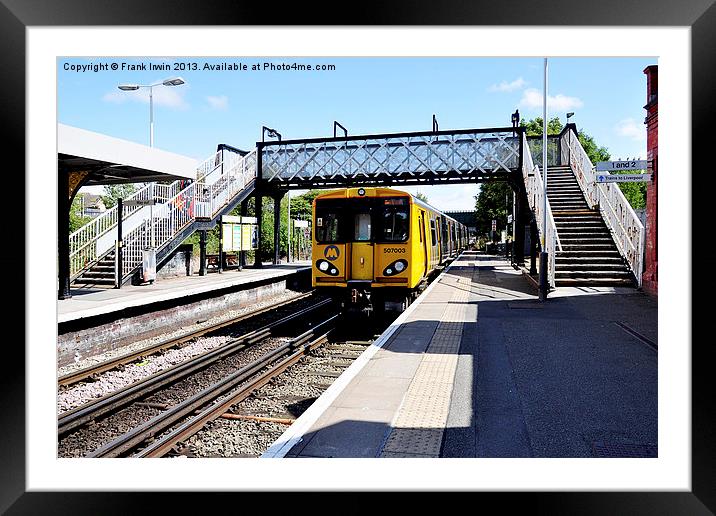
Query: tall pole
(151,117)
(151,190)
(288,255)
(543,257)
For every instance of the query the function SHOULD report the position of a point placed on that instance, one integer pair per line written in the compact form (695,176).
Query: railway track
(249,426)
(214,400)
(119,399)
(83,374)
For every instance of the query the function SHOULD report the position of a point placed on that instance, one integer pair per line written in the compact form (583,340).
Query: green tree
(422,197)
(114,192)
(493,202)
(534,126)
(77,220)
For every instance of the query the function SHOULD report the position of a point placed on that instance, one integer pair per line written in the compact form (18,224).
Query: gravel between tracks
(286,397)
(83,392)
(147,343)
(87,439)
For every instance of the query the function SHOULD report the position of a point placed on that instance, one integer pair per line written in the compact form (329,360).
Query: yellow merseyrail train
(374,248)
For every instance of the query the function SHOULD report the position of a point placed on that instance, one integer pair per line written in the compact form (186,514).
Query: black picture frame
(17,15)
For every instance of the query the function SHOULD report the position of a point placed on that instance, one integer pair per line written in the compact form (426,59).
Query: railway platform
(91,302)
(478,367)
(94,321)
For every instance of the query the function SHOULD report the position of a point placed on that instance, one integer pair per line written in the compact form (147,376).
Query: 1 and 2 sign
(622,165)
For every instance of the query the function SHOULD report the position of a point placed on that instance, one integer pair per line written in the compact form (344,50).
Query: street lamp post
(543,257)
(173,81)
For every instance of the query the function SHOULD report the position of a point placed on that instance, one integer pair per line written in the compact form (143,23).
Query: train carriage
(374,248)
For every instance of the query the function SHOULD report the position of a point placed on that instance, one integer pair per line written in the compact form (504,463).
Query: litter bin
(149,265)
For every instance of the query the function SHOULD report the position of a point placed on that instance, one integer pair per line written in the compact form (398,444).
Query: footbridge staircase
(593,236)
(223,180)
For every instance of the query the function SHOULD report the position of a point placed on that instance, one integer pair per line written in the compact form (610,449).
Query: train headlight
(327,267)
(396,267)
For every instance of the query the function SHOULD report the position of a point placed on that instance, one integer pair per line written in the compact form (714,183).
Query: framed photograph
(62,66)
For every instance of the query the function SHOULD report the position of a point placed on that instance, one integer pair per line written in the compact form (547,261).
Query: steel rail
(82,374)
(166,419)
(146,386)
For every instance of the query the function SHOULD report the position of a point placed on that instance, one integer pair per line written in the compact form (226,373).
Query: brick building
(650,276)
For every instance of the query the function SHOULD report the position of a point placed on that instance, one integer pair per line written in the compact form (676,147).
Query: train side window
(433,233)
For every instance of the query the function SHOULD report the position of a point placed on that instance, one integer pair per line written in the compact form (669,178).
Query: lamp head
(128,87)
(174,81)
(570,114)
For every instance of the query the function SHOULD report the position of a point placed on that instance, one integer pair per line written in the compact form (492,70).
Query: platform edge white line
(297,430)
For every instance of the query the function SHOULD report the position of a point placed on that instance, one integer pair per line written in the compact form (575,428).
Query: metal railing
(87,244)
(621,219)
(554,150)
(83,242)
(535,195)
(203,199)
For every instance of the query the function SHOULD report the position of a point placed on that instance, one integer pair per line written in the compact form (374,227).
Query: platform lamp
(570,115)
(172,81)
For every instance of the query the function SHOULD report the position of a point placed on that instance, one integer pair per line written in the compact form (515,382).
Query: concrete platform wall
(113,331)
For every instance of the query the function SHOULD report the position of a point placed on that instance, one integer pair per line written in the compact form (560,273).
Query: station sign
(300,223)
(239,233)
(623,178)
(634,164)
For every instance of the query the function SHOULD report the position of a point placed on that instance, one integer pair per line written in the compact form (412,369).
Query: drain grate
(615,450)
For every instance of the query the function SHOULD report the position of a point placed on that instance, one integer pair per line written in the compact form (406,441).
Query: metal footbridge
(439,157)
(418,158)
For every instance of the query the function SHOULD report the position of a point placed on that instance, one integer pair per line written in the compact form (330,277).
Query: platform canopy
(113,161)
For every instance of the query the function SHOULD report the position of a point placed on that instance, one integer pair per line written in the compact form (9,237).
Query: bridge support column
(244,213)
(277,228)
(202,252)
(258,212)
(518,246)
(63,235)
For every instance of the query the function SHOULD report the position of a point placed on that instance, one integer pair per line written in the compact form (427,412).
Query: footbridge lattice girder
(408,158)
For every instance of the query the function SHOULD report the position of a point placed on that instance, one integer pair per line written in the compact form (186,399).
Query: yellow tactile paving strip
(420,421)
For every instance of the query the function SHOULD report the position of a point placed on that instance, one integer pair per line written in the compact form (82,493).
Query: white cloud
(532,99)
(629,128)
(166,96)
(221,102)
(505,86)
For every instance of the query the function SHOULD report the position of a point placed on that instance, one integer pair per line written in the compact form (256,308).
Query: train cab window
(329,221)
(394,220)
(362,227)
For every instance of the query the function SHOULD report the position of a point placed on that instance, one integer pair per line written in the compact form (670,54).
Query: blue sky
(367,95)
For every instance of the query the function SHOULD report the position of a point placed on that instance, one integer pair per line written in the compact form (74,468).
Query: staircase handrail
(617,212)
(199,199)
(535,196)
(82,248)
